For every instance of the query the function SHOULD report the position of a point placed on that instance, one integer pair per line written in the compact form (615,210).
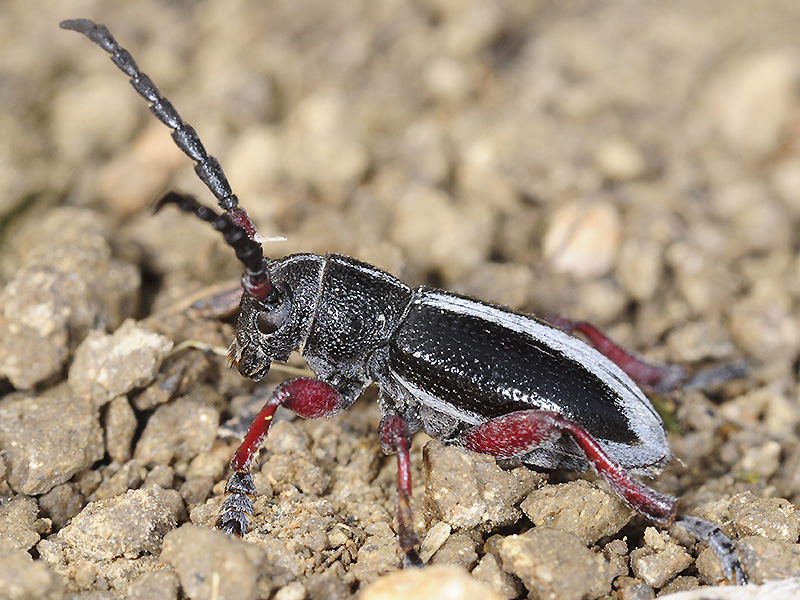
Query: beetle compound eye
(276,310)
(269,322)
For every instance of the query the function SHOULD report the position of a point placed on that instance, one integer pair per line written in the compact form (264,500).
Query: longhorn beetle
(464,371)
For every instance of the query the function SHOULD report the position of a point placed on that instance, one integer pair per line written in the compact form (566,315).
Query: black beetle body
(434,356)
(466,372)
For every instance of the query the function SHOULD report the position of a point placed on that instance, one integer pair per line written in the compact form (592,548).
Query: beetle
(464,371)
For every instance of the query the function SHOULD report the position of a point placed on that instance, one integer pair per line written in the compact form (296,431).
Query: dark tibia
(723,548)
(309,398)
(396,439)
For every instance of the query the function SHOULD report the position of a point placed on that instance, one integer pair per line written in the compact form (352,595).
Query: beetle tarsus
(412,560)
(233,516)
(241,483)
(232,521)
(711,376)
(720,544)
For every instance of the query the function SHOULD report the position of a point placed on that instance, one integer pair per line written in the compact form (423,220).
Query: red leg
(395,438)
(651,376)
(309,398)
(654,377)
(520,432)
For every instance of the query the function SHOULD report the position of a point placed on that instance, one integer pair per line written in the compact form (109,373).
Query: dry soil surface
(636,165)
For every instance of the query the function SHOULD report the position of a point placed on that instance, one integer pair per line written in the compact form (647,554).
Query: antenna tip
(80,25)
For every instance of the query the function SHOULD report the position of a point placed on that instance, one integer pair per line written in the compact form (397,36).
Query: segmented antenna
(255,281)
(235,225)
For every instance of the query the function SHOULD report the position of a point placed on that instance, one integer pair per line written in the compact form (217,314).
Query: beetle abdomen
(475,361)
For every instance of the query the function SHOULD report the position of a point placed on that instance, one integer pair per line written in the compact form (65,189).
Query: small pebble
(442,583)
(583,239)
(123,526)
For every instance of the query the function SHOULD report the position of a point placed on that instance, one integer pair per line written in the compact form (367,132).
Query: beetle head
(278,296)
(261,335)
(271,329)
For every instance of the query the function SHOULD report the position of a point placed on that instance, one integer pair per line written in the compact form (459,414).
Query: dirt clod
(773,518)
(177,432)
(22,578)
(555,564)
(61,503)
(577,507)
(107,366)
(120,426)
(490,571)
(469,490)
(124,526)
(660,560)
(156,585)
(17,524)
(210,564)
(68,283)
(47,438)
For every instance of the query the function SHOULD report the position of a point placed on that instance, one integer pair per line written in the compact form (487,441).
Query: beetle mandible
(552,401)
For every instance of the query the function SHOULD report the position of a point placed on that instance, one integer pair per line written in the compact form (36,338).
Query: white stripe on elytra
(571,347)
(442,406)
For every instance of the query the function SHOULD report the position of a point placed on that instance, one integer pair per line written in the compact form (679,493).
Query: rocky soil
(636,165)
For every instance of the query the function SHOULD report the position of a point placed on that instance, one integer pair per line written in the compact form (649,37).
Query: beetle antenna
(256,280)
(185,137)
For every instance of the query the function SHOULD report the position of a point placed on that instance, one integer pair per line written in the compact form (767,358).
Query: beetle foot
(412,560)
(233,517)
(723,548)
(715,375)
